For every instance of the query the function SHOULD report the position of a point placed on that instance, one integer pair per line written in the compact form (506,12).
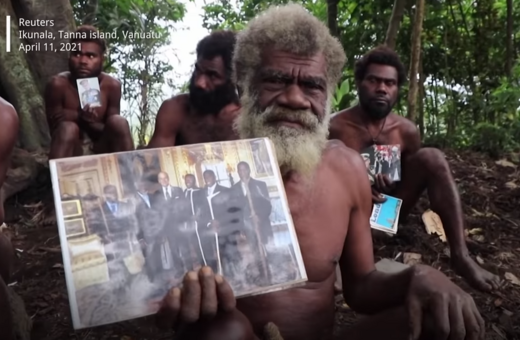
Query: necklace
(374,139)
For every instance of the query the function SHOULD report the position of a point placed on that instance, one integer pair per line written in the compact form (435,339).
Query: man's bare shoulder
(59,80)
(177,102)
(8,116)
(110,81)
(406,126)
(343,115)
(338,156)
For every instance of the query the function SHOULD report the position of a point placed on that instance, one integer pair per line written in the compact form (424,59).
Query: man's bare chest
(206,129)
(321,224)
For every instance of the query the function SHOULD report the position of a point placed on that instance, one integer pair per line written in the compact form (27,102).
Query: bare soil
(491,203)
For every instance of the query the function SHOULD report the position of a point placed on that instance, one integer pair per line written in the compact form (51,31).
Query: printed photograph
(89,92)
(383,159)
(149,216)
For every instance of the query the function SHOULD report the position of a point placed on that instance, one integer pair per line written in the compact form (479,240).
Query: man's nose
(294,98)
(381,88)
(202,83)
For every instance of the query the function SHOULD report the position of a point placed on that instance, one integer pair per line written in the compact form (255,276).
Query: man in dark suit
(218,226)
(151,221)
(168,193)
(119,220)
(252,197)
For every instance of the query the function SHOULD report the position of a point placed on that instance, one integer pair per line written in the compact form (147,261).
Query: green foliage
(491,139)
(463,58)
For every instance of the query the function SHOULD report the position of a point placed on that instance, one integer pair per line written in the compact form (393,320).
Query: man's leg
(6,263)
(429,169)
(65,138)
(392,324)
(116,136)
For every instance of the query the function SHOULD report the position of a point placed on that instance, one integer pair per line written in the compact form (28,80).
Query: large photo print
(132,224)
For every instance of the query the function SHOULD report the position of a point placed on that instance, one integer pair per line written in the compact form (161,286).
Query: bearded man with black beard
(379,75)
(206,113)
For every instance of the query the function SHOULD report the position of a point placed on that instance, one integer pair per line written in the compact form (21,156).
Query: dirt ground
(491,202)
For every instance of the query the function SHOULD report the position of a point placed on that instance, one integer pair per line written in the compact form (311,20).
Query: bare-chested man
(76,131)
(10,125)
(379,76)
(287,65)
(206,113)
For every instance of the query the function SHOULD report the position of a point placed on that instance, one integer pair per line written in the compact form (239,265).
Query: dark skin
(422,168)
(205,306)
(178,123)
(69,124)
(10,124)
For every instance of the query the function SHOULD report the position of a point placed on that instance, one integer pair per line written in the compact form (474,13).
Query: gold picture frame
(71,208)
(75,227)
(261,166)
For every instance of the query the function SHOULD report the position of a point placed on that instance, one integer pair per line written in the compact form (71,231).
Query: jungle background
(463,93)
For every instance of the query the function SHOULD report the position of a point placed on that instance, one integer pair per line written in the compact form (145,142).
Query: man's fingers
(472,326)
(209,302)
(190,298)
(226,297)
(169,311)
(457,320)
(480,321)
(441,317)
(387,181)
(415,316)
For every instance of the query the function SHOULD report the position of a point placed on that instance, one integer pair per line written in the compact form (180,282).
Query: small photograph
(150,216)
(89,92)
(385,216)
(383,159)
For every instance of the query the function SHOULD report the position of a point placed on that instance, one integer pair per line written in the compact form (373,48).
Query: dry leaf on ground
(433,224)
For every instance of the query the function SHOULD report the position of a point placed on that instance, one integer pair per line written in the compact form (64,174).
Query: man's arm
(168,123)
(114,98)
(365,289)
(54,110)
(10,126)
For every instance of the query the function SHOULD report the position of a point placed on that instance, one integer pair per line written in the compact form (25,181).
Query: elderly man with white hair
(286,66)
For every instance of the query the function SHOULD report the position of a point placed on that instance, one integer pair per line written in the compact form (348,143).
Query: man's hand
(377,197)
(452,310)
(384,184)
(201,297)
(89,114)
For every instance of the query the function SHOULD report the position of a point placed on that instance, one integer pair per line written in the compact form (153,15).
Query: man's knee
(432,160)
(118,125)
(67,132)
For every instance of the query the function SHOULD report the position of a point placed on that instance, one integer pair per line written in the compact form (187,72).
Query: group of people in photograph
(182,229)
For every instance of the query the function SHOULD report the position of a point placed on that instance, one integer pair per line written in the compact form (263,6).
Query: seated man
(206,114)
(76,131)
(287,65)
(14,321)
(379,76)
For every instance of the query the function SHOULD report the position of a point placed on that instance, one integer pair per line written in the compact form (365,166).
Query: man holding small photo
(79,127)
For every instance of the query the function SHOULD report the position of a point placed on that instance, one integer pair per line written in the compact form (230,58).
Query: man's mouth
(292,123)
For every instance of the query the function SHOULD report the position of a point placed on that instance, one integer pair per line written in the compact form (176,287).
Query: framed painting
(75,227)
(71,208)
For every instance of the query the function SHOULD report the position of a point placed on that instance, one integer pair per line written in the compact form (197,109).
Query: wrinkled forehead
(294,65)
(215,64)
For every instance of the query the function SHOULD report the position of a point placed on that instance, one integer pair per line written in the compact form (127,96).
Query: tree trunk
(414,59)
(332,16)
(20,88)
(509,38)
(23,76)
(395,23)
(46,62)
(421,95)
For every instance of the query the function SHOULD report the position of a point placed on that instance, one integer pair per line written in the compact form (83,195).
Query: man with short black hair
(77,131)
(206,113)
(379,77)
